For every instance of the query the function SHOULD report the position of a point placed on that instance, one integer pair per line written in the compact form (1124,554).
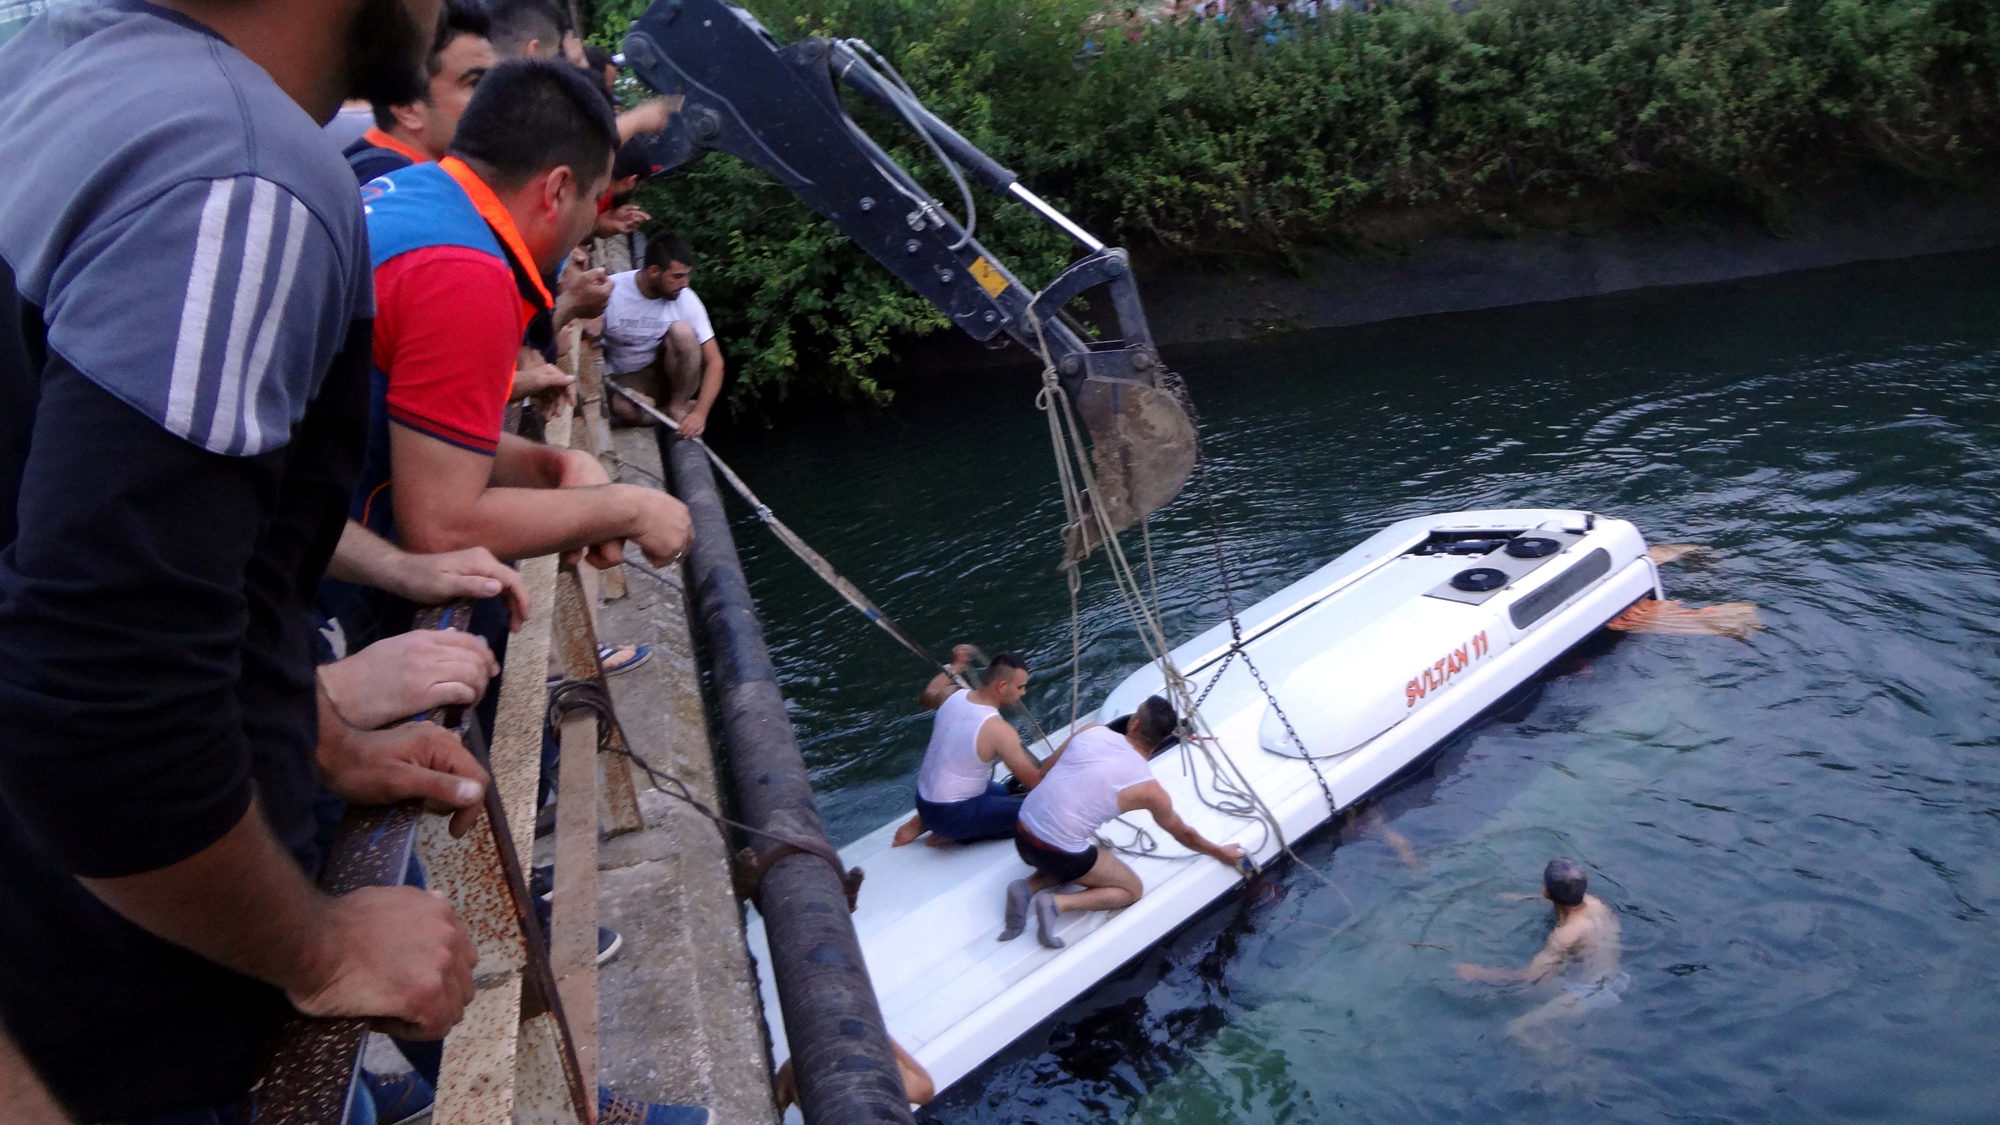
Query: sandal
(622,658)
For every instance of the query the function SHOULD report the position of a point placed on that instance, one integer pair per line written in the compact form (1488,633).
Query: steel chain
(1236,649)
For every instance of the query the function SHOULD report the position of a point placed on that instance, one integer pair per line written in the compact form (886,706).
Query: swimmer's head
(1563,881)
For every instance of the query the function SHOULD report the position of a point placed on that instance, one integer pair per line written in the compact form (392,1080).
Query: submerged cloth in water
(1079,794)
(952,770)
(1730,619)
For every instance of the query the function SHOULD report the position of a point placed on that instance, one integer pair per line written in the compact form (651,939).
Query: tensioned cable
(813,559)
(1072,467)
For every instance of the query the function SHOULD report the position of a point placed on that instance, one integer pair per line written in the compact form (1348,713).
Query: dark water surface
(1799,833)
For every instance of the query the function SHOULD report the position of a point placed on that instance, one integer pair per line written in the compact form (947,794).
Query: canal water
(1799,832)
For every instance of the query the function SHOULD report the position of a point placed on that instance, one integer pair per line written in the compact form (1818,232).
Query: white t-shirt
(952,770)
(634,324)
(348,125)
(1080,795)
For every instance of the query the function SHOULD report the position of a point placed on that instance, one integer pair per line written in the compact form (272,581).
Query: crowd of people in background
(1273,19)
(255,375)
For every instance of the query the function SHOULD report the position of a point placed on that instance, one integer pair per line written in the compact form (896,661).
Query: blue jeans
(989,816)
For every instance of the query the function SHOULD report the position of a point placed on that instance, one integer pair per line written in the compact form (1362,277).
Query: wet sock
(1046,916)
(1018,895)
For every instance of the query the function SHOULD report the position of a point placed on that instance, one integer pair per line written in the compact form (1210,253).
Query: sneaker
(609,941)
(615,659)
(614,1110)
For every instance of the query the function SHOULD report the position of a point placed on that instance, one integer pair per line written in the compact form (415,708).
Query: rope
(813,559)
(588,695)
(1235,796)
(787,536)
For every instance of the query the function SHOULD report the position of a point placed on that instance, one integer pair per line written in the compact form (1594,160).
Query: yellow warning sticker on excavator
(988,277)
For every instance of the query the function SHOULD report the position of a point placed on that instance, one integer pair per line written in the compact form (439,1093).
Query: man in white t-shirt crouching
(657,339)
(1098,773)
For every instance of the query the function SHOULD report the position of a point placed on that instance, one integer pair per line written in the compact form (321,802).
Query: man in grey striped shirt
(183,391)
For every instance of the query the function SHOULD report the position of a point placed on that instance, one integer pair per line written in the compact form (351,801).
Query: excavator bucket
(1141,423)
(1142,449)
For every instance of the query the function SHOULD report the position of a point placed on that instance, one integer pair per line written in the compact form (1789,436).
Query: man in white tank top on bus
(1098,773)
(957,800)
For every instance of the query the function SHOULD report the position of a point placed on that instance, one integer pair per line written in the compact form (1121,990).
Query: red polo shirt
(448,325)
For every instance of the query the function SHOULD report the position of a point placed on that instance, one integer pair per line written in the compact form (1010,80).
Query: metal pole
(840,1050)
(1042,206)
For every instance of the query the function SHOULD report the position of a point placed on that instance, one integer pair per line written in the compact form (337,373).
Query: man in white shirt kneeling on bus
(957,799)
(1098,773)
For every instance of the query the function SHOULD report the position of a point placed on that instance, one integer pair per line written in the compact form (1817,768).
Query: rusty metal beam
(573,923)
(479,1082)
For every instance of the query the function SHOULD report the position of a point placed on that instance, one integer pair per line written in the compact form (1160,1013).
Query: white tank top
(952,770)
(1080,795)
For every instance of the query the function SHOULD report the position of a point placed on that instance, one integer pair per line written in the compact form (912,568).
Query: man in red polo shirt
(460,249)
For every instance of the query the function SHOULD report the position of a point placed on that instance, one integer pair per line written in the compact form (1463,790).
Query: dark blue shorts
(989,816)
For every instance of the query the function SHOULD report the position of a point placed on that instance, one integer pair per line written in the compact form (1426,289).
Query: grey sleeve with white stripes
(214,309)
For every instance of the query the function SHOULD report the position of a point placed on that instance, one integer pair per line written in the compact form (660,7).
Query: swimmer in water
(1582,951)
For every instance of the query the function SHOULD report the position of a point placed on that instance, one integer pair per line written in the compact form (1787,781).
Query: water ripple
(1798,832)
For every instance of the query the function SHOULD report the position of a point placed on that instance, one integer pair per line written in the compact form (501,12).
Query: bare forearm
(1194,841)
(1021,764)
(1169,819)
(23,1098)
(520,463)
(523,523)
(1503,976)
(241,902)
(362,557)
(937,691)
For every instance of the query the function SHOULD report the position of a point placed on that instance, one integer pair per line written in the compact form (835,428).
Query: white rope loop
(1235,796)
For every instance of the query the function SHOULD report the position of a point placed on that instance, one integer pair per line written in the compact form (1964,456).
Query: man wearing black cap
(1098,773)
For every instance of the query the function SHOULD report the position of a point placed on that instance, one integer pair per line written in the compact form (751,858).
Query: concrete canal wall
(1199,303)
(1459,273)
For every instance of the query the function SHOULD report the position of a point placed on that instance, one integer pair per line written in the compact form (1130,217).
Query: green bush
(1204,139)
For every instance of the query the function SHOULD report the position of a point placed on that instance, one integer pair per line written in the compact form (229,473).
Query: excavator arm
(777,106)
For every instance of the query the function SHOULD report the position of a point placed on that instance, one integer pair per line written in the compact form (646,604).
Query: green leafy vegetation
(1209,140)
